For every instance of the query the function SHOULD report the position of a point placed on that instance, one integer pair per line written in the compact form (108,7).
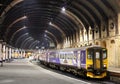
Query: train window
(64,56)
(104,54)
(90,54)
(60,56)
(70,56)
(57,55)
(74,57)
(54,56)
(97,55)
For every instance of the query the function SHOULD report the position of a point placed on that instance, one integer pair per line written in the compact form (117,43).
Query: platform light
(63,9)
(50,23)
(46,31)
(25,16)
(45,35)
(36,47)
(24,27)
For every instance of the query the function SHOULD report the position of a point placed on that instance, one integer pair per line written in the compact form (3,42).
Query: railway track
(114,76)
(90,80)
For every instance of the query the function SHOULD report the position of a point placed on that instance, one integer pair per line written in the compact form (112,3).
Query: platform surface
(23,72)
(113,69)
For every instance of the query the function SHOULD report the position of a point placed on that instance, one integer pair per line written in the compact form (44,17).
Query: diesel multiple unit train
(90,61)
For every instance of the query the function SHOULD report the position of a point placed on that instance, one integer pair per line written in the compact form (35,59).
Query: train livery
(90,61)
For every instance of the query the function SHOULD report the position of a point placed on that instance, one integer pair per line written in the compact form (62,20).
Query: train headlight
(104,65)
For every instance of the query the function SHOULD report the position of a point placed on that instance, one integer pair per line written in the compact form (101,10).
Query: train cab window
(97,55)
(90,54)
(104,53)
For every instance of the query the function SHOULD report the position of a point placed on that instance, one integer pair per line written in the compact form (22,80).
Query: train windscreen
(95,55)
(104,53)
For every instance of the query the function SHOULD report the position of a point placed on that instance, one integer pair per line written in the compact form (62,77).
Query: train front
(96,61)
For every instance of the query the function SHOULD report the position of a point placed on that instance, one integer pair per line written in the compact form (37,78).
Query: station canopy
(30,24)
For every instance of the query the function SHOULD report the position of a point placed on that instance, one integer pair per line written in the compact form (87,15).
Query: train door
(97,59)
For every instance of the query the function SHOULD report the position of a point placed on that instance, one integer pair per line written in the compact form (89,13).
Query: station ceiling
(28,24)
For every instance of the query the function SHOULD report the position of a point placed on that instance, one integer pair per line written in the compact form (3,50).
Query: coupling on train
(90,61)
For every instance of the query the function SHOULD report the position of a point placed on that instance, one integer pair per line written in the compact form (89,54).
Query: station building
(34,24)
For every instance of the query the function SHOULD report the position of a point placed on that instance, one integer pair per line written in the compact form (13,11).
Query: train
(89,61)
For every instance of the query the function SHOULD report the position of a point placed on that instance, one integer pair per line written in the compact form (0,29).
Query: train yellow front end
(96,62)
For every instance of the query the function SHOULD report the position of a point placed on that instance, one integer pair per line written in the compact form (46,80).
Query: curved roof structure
(30,23)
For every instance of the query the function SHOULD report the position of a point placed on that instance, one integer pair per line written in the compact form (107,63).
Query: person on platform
(1,61)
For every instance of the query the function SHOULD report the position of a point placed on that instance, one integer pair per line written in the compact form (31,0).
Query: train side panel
(53,57)
(83,59)
(68,58)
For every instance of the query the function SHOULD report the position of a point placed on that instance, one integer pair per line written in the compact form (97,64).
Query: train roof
(80,48)
(73,49)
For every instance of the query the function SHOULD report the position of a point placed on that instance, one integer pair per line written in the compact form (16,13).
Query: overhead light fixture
(36,47)
(25,16)
(45,35)
(46,31)
(24,27)
(63,9)
(50,23)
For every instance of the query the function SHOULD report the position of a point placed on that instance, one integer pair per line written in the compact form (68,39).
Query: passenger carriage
(90,61)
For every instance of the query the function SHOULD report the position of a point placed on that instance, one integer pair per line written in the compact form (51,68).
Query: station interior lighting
(46,31)
(45,35)
(50,23)
(24,27)
(25,16)
(63,9)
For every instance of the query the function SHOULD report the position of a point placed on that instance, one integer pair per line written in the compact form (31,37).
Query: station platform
(114,74)
(21,71)
(113,69)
